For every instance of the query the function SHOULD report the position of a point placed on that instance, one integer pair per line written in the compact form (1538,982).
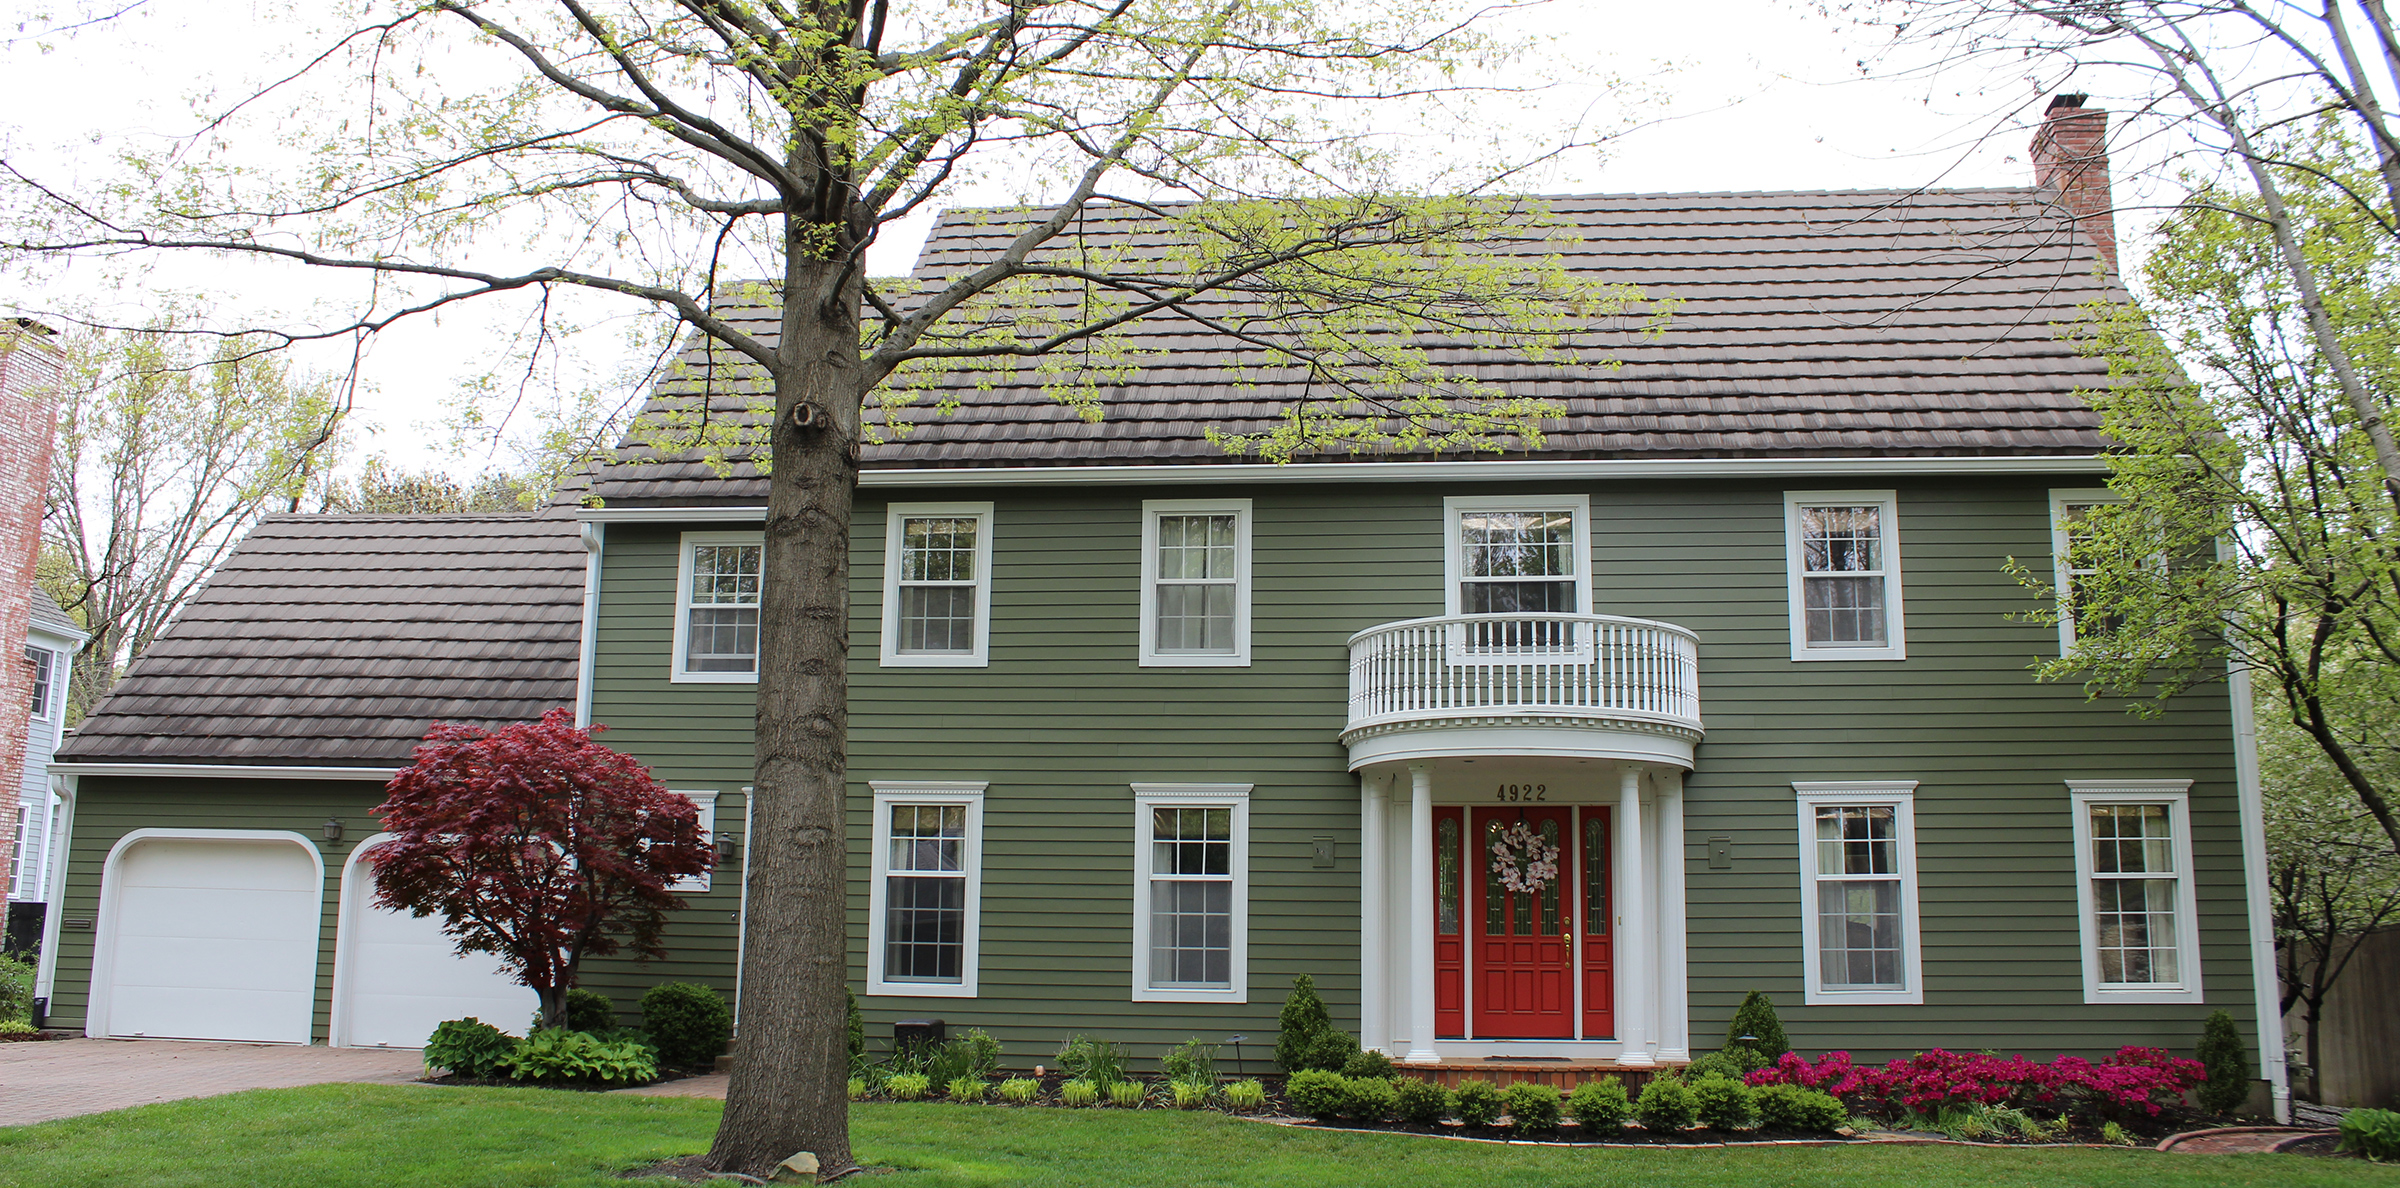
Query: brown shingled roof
(336,640)
(1855,324)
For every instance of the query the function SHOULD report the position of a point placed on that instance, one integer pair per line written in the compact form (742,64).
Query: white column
(1674,1033)
(1420,915)
(1635,968)
(1373,886)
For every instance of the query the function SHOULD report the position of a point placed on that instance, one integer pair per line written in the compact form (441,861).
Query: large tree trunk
(788,1089)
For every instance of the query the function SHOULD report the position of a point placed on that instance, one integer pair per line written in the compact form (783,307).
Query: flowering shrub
(2134,1078)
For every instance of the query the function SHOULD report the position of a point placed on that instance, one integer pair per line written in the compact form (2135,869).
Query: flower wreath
(1522,860)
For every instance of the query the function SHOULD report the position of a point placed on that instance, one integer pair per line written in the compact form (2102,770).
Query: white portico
(1521,778)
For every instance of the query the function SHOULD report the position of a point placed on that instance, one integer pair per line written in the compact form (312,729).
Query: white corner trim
(1901,795)
(2175,794)
(1237,798)
(682,603)
(2257,903)
(898,514)
(225,771)
(1148,655)
(1895,645)
(595,540)
(105,931)
(1453,565)
(968,794)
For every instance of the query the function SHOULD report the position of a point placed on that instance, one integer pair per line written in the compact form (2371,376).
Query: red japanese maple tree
(537,845)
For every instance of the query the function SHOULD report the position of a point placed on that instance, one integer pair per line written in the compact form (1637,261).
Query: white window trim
(897,515)
(1239,509)
(50,688)
(683,606)
(2060,500)
(944,792)
(1901,794)
(1452,564)
(1896,646)
(706,800)
(2176,795)
(1236,797)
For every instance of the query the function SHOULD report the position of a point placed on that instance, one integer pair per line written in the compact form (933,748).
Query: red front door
(1523,940)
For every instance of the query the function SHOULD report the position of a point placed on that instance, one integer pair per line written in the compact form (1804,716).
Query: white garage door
(214,940)
(400,977)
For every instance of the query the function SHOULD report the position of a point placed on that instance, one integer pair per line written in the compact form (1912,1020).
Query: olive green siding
(1063,720)
(109,807)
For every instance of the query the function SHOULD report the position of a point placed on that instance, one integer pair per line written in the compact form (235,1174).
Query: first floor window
(1844,559)
(927,889)
(1858,882)
(937,584)
(2133,862)
(1192,889)
(16,855)
(705,801)
(716,632)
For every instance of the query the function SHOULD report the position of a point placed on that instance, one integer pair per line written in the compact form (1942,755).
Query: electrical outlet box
(1321,851)
(1720,853)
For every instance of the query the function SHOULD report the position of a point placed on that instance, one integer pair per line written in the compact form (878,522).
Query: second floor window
(40,659)
(1844,557)
(716,631)
(937,584)
(1512,555)
(1195,582)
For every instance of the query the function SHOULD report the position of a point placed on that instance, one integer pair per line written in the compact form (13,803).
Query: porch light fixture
(728,849)
(333,829)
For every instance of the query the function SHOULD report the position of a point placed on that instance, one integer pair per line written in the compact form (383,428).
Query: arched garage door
(211,937)
(397,976)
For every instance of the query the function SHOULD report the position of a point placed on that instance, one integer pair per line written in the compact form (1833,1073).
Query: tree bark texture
(788,1087)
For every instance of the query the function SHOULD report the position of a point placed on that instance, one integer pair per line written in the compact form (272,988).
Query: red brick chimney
(2070,159)
(29,373)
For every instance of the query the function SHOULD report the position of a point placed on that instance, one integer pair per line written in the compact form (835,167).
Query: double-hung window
(937,584)
(1195,582)
(2070,512)
(716,621)
(1843,554)
(2133,862)
(1858,885)
(704,800)
(926,894)
(1191,875)
(41,659)
(1517,556)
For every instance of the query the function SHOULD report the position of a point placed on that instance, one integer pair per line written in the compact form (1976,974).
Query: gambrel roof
(336,640)
(1846,324)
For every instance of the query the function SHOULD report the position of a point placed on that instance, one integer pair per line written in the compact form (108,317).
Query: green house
(1525,758)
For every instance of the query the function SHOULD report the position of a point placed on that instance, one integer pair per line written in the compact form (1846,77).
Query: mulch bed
(665,1075)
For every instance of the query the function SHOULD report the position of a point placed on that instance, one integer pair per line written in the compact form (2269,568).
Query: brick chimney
(2070,159)
(30,366)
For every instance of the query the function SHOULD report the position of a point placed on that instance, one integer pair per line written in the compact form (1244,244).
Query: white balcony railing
(1600,666)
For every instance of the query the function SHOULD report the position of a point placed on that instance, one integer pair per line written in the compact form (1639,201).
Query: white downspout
(2252,801)
(62,832)
(595,538)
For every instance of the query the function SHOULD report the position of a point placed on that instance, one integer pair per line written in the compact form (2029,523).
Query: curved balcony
(1580,686)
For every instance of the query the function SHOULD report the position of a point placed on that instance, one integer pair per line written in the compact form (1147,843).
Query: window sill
(1816,997)
(1195,660)
(681,677)
(935,660)
(878,989)
(1896,652)
(2142,996)
(1188,994)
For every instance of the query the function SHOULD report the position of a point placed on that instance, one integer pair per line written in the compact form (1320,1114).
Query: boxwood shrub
(1422,1103)
(1666,1106)
(1725,1104)
(1798,1107)
(1478,1102)
(1318,1093)
(1601,1106)
(1532,1109)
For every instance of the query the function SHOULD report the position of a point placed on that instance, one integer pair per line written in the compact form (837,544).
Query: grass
(336,1136)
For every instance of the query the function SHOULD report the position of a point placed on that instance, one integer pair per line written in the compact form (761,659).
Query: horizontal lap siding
(1063,720)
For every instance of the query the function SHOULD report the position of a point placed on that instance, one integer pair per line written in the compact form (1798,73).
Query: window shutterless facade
(1195,582)
(1858,886)
(1191,892)
(1843,553)
(937,584)
(2133,863)
(925,897)
(1514,554)
(716,617)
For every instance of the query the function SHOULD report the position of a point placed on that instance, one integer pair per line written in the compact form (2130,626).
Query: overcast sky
(1760,95)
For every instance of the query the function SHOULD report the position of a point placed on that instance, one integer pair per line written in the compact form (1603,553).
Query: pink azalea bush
(2135,1078)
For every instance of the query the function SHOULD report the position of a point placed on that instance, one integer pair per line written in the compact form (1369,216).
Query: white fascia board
(225,771)
(671,515)
(67,638)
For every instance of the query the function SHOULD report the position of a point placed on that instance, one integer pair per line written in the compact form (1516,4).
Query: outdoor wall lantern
(333,829)
(728,849)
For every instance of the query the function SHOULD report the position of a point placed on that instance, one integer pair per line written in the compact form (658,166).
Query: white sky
(1761,95)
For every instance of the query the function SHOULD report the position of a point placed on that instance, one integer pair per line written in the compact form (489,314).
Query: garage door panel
(186,1012)
(214,940)
(203,962)
(401,977)
(224,915)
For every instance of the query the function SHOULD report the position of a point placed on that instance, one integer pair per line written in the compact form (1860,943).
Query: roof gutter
(225,771)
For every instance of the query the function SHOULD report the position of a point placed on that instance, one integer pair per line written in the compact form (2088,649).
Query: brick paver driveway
(63,1078)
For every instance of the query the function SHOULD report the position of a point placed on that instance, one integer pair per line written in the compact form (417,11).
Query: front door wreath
(1522,860)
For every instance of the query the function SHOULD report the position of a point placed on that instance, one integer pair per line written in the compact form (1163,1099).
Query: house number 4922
(1517,792)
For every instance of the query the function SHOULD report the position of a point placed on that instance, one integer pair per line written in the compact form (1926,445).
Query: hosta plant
(1191,1095)
(469,1047)
(1020,1090)
(2372,1133)
(1244,1097)
(1079,1092)
(551,1055)
(968,1089)
(907,1086)
(1127,1095)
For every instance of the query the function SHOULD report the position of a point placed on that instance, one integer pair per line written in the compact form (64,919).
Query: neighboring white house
(51,640)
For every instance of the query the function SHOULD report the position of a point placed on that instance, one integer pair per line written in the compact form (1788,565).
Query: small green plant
(1666,1106)
(1968,1123)
(1798,1107)
(1127,1095)
(1600,1106)
(1302,1023)
(908,1086)
(1478,1102)
(858,1088)
(1317,1093)
(469,1047)
(16,1027)
(2228,1065)
(1756,1019)
(1532,1109)
(1733,1064)
(16,989)
(1020,1090)
(1368,1064)
(2006,1120)
(2374,1134)
(1369,1099)
(1079,1093)
(689,1023)
(1244,1097)
(968,1090)
(1724,1103)
(1190,1062)
(2115,1135)
(975,1054)
(1420,1103)
(854,1024)
(1191,1095)
(586,1011)
(1090,1058)
(553,1055)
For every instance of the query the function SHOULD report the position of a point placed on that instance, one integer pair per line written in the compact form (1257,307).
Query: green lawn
(333,1136)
